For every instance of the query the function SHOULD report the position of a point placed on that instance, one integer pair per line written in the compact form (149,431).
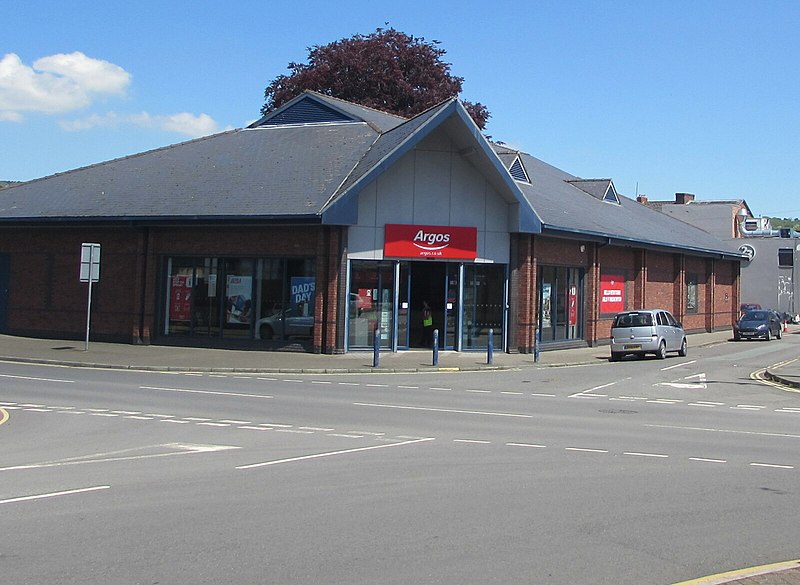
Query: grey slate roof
(567,209)
(269,172)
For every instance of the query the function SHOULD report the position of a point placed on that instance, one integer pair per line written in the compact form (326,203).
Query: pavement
(188,359)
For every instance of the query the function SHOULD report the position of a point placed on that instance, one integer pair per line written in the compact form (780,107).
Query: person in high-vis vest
(427,325)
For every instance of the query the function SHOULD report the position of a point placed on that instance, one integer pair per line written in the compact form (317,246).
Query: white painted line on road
(256,428)
(41,410)
(633,398)
(243,377)
(590,391)
(409,387)
(36,406)
(638,454)
(478,391)
(678,365)
(237,422)
(348,384)
(160,415)
(585,450)
(438,388)
(664,401)
(332,453)
(239,394)
(54,494)
(295,381)
(175,420)
(296,431)
(377,385)
(97,409)
(543,395)
(277,425)
(455,411)
(267,379)
(35,379)
(117,411)
(135,417)
(709,403)
(370,433)
(748,407)
(59,411)
(711,430)
(345,435)
(321,382)
(533,445)
(321,429)
(213,424)
(701,404)
(773,465)
(790,410)
(706,460)
(196,419)
(476,441)
(101,414)
(513,393)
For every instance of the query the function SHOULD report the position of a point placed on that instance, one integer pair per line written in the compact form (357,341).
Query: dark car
(761,324)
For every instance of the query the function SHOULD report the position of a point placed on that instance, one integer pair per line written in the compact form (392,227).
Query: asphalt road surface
(642,471)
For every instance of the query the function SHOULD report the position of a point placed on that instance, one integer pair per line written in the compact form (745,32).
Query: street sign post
(90,272)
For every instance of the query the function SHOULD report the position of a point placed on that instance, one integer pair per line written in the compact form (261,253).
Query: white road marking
(638,454)
(255,428)
(348,384)
(409,387)
(455,411)
(513,393)
(438,388)
(712,430)
(543,395)
(332,453)
(345,435)
(527,445)
(213,424)
(377,385)
(55,494)
(591,391)
(219,393)
(585,450)
(320,382)
(35,379)
(237,422)
(678,365)
(773,465)
(476,441)
(322,429)
(705,460)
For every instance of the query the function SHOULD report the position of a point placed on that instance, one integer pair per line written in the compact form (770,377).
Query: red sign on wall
(573,305)
(430,241)
(181,298)
(612,293)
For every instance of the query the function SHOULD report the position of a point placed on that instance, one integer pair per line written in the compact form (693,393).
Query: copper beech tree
(387,70)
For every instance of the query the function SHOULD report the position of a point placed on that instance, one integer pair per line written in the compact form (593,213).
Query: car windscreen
(633,320)
(756,316)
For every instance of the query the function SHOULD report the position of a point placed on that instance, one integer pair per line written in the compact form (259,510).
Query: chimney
(683,198)
(641,199)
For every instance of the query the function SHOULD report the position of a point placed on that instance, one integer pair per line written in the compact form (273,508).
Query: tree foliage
(387,70)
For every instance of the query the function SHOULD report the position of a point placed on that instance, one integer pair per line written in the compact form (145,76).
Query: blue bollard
(536,348)
(435,347)
(376,348)
(490,348)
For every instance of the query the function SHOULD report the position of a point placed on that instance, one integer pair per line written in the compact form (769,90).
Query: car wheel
(266,332)
(662,350)
(768,336)
(615,356)
(684,348)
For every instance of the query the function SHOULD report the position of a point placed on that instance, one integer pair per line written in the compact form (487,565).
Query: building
(325,224)
(768,275)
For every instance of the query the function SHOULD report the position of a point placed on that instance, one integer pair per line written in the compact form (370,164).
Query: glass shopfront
(561,303)
(268,299)
(465,301)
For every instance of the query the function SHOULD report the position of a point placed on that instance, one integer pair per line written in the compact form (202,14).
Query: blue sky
(673,96)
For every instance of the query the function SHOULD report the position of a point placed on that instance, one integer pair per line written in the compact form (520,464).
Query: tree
(387,70)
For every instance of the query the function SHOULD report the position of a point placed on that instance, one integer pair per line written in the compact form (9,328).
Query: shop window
(240,298)
(561,299)
(483,305)
(370,304)
(691,293)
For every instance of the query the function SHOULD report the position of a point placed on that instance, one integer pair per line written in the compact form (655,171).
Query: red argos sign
(430,241)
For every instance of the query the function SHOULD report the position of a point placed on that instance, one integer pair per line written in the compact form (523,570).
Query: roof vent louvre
(306,111)
(518,171)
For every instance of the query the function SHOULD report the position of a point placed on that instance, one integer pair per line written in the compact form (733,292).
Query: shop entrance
(421,283)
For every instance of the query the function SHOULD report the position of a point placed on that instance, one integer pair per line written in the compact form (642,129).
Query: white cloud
(56,83)
(184,123)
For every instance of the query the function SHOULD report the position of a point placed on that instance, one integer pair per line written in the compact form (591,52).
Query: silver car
(646,331)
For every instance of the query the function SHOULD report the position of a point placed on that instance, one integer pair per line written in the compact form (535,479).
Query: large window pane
(370,304)
(483,305)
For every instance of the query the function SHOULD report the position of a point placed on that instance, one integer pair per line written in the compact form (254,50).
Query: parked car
(763,324)
(287,323)
(647,331)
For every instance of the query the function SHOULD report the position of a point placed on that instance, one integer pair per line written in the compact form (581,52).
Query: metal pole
(435,347)
(490,348)
(536,349)
(376,348)
(89,301)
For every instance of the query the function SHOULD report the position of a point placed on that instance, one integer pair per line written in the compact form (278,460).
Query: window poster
(180,308)
(239,292)
(612,293)
(547,289)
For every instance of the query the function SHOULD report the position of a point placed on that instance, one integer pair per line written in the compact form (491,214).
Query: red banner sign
(430,241)
(612,293)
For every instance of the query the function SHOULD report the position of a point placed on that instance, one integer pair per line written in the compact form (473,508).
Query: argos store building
(325,224)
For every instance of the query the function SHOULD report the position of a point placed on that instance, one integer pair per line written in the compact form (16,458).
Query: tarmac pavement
(168,358)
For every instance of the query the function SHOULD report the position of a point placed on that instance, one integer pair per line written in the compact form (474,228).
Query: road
(642,471)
